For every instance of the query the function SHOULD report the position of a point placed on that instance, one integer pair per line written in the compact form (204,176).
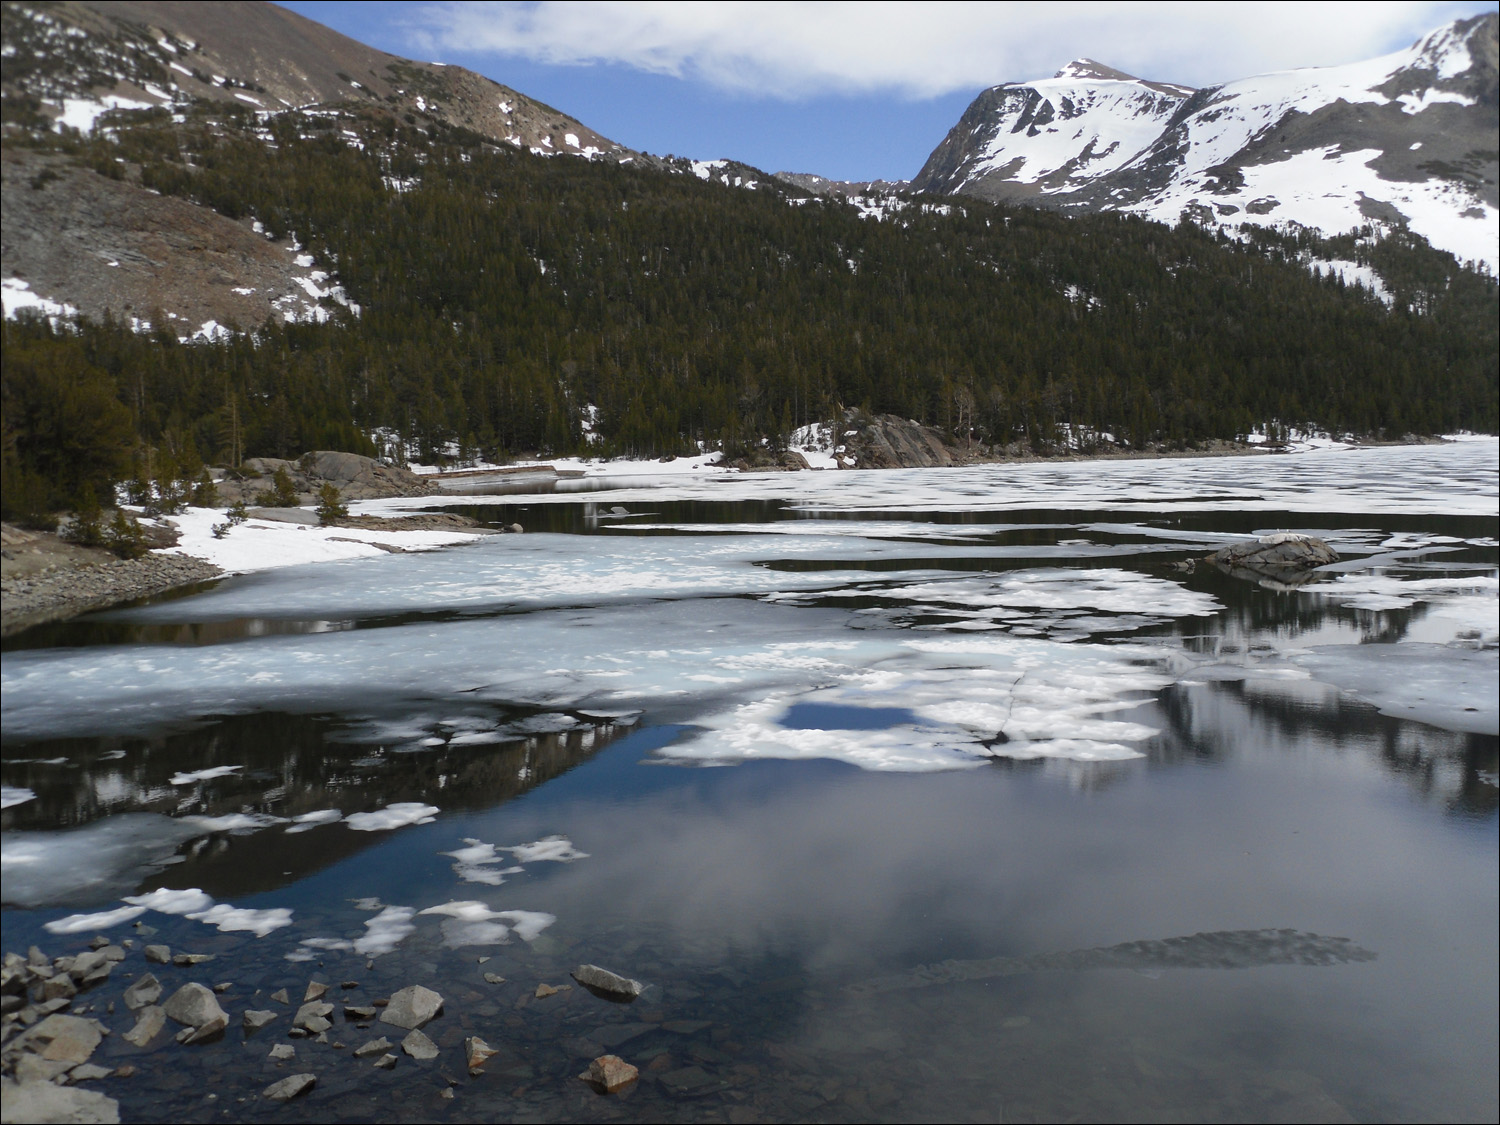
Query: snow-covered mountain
(1406,139)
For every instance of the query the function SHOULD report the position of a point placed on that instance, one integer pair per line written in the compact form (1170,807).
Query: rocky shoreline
(71,587)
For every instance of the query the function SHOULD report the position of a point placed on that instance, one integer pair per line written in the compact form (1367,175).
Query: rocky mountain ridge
(69,63)
(1408,139)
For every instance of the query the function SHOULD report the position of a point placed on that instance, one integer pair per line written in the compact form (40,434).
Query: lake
(950,794)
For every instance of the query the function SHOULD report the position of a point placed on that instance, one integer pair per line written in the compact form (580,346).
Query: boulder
(602,982)
(146,990)
(194,1005)
(885,441)
(60,1038)
(149,1023)
(412,1007)
(42,1101)
(1287,558)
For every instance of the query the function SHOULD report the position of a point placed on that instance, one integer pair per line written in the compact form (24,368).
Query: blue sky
(848,90)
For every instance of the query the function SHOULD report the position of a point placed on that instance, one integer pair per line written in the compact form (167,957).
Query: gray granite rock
(290,1087)
(611,984)
(146,990)
(412,1007)
(419,1046)
(256,1018)
(149,1022)
(42,1101)
(194,1005)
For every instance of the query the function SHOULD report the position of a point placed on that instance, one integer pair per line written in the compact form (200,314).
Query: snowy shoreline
(261,544)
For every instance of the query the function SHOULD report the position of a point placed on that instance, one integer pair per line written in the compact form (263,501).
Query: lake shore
(46,579)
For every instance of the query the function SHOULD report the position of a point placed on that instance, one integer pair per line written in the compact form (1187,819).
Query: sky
(852,91)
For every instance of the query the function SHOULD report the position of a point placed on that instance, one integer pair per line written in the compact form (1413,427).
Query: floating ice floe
(556,849)
(102,920)
(164,900)
(204,775)
(385,931)
(398,814)
(474,923)
(238,824)
(477,863)
(382,934)
(232,918)
(11,796)
(308,821)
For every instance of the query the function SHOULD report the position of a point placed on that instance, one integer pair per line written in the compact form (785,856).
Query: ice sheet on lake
(10,796)
(1063,603)
(102,860)
(1443,685)
(970,700)
(1456,479)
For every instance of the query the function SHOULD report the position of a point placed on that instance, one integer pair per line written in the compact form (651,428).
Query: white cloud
(797,50)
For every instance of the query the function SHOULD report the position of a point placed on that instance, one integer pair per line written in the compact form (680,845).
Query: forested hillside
(501,293)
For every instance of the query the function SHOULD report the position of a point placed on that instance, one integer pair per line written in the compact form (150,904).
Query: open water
(950,795)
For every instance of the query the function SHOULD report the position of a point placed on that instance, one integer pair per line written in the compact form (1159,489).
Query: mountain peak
(1088,68)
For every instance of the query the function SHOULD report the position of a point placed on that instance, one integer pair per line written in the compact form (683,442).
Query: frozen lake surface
(993,716)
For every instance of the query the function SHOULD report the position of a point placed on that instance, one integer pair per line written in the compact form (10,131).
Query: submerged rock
(419,1046)
(610,1073)
(42,1101)
(313,1017)
(254,1019)
(602,981)
(373,1047)
(290,1087)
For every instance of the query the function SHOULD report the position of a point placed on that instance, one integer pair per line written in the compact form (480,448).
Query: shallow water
(980,717)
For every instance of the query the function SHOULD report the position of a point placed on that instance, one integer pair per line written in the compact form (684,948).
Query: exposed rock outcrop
(884,441)
(356,478)
(1286,558)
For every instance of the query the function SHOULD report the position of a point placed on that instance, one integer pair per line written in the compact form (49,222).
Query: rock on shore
(73,584)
